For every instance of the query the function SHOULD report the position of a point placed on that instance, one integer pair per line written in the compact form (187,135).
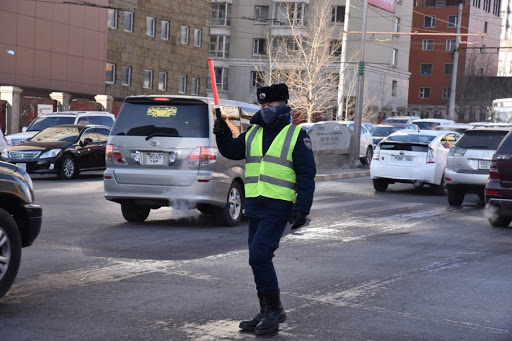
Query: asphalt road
(398,265)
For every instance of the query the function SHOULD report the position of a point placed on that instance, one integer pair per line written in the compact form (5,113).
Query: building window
(430,21)
(257,79)
(184,34)
(338,14)
(259,47)
(394,58)
(427,45)
(450,45)
(128,21)
(127,76)
(261,14)
(219,46)
(112,18)
(487,6)
(476,3)
(195,86)
(335,48)
(485,27)
(162,81)
(397,24)
(182,86)
(448,69)
(452,21)
(150,26)
(394,88)
(164,30)
(289,13)
(221,77)
(110,73)
(446,93)
(424,93)
(221,13)
(197,37)
(426,69)
(148,79)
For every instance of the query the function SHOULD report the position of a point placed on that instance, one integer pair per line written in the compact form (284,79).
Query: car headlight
(50,153)
(5,154)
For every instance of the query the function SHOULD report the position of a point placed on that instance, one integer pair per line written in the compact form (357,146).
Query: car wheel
(455,198)
(495,217)
(68,168)
(10,251)
(440,189)
(368,157)
(380,185)
(232,213)
(134,213)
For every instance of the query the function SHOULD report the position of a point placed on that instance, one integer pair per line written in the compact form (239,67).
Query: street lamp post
(360,88)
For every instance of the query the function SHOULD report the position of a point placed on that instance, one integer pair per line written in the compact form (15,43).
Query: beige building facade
(157,47)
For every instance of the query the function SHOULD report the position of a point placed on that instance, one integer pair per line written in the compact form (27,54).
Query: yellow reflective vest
(271,175)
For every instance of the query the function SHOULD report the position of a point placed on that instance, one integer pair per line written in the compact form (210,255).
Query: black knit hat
(275,92)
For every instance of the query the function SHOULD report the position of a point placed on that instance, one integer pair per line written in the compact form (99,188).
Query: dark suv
(498,190)
(20,220)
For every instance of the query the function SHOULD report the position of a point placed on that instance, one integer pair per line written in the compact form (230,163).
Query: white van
(162,152)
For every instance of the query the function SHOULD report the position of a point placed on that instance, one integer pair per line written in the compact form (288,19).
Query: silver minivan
(162,152)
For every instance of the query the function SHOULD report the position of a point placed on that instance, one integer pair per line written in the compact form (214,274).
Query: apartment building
(157,47)
(432,56)
(241,30)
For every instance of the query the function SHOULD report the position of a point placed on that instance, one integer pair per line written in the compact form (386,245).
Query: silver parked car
(162,152)
(468,162)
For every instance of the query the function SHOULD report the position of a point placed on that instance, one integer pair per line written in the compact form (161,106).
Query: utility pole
(451,108)
(360,90)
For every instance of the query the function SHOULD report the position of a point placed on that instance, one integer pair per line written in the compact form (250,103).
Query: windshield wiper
(161,134)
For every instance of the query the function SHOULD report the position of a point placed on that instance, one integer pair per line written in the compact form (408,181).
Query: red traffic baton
(214,88)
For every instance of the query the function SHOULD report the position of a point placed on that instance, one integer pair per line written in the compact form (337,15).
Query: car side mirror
(24,129)
(85,142)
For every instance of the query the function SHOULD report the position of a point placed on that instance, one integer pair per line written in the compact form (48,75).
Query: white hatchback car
(417,157)
(431,123)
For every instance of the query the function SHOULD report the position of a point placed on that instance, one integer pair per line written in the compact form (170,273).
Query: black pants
(264,236)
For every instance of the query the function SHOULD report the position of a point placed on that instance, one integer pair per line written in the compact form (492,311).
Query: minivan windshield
(476,139)
(44,122)
(181,119)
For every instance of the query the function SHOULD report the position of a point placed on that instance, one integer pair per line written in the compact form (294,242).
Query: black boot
(250,325)
(274,313)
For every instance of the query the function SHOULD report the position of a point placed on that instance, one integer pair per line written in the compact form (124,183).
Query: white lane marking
(386,207)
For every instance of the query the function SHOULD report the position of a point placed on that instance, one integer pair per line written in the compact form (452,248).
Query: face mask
(270,115)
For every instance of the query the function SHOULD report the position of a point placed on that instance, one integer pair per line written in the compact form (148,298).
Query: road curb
(327,177)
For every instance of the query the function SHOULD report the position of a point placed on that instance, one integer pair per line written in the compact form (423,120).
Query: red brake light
(161,99)
(431,155)
(493,171)
(203,155)
(113,154)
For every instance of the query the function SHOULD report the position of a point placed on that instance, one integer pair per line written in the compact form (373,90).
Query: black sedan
(65,150)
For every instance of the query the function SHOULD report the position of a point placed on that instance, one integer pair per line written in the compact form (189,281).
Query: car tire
(455,198)
(232,213)
(441,188)
(10,251)
(368,156)
(380,185)
(68,168)
(134,213)
(496,218)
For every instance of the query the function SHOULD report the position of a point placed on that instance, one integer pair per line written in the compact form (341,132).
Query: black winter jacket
(303,164)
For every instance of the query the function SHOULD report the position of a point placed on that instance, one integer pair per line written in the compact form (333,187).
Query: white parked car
(59,118)
(431,123)
(416,157)
(400,120)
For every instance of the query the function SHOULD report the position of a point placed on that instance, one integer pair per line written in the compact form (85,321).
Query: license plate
(484,164)
(402,158)
(155,159)
(22,165)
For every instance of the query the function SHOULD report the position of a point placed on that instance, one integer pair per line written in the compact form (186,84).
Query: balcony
(439,3)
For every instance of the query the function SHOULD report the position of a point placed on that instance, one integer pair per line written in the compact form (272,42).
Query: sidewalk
(344,174)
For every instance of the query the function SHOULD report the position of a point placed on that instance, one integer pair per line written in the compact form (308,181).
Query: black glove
(297,219)
(221,128)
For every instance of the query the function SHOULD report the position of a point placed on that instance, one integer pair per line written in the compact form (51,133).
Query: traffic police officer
(279,186)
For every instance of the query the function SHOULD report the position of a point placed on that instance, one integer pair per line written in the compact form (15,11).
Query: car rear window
(426,125)
(506,144)
(412,138)
(175,119)
(396,120)
(44,122)
(476,139)
(384,131)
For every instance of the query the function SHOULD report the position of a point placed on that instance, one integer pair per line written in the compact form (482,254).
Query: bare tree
(302,51)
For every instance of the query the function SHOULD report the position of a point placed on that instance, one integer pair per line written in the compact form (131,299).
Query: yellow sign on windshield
(162,111)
